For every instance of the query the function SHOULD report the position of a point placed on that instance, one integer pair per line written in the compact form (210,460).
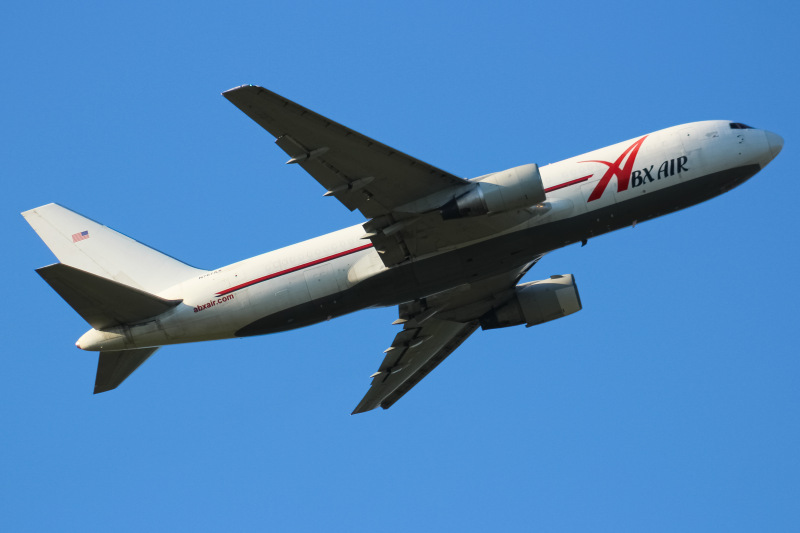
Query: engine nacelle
(515,188)
(536,302)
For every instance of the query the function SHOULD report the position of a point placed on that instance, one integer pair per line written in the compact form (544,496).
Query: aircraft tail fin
(94,248)
(114,367)
(102,302)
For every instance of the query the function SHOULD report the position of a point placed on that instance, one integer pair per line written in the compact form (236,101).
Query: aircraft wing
(413,354)
(361,172)
(432,329)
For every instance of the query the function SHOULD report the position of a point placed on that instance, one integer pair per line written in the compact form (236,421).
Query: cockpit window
(740,126)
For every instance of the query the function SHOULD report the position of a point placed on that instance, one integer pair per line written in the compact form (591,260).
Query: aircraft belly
(423,277)
(368,293)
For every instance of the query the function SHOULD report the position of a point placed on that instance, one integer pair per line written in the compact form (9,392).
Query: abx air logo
(621,168)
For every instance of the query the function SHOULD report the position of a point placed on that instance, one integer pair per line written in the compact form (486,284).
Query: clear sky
(670,403)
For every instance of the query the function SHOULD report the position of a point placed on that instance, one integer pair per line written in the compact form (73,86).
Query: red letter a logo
(623,174)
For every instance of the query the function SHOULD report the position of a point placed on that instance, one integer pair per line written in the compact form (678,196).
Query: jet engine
(515,188)
(536,302)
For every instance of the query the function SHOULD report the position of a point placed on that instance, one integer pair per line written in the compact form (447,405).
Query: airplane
(449,252)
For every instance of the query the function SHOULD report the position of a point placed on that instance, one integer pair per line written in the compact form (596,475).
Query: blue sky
(669,403)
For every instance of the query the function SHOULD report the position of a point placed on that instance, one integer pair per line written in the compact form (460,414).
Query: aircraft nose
(775,143)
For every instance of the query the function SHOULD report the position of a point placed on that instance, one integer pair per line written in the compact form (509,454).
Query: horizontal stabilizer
(114,367)
(102,302)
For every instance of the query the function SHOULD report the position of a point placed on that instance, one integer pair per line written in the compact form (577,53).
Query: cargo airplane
(449,252)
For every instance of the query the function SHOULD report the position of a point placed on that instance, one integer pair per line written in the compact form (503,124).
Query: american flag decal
(82,236)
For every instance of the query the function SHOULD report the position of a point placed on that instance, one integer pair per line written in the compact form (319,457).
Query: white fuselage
(341,272)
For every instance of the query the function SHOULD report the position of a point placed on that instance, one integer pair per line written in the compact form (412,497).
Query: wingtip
(231,90)
(100,387)
(361,408)
(240,88)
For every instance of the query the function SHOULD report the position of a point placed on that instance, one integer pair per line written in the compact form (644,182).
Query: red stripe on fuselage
(567,184)
(294,269)
(354,250)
